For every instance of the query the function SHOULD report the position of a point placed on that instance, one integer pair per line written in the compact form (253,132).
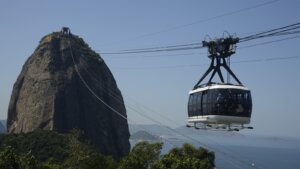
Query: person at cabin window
(220,100)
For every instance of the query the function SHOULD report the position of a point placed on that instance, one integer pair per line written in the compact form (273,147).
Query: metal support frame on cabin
(219,50)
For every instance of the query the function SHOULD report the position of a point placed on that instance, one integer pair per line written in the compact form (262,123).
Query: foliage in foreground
(186,157)
(50,150)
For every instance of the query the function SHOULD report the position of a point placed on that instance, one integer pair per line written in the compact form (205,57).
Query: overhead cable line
(118,99)
(156,50)
(269,42)
(164,47)
(280,33)
(130,106)
(273,32)
(102,101)
(292,29)
(197,65)
(153,120)
(203,20)
(152,56)
(241,47)
(118,113)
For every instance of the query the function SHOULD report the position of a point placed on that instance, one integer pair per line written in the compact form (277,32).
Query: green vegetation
(51,150)
(187,157)
(142,156)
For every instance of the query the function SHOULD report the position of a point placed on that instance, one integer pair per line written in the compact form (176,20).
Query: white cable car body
(219,105)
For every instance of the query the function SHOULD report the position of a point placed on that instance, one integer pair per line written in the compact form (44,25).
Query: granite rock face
(50,94)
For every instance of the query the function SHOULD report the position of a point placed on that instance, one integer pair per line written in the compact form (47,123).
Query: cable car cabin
(220,105)
(216,104)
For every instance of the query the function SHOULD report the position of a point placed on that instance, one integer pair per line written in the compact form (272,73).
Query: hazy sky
(161,81)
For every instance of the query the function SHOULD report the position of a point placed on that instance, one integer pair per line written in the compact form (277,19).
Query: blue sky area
(161,81)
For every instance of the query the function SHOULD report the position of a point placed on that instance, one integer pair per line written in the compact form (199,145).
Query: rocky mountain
(65,85)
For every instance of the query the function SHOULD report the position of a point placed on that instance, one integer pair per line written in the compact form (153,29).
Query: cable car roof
(218,86)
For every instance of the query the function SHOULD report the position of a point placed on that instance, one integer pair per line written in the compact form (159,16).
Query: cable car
(220,105)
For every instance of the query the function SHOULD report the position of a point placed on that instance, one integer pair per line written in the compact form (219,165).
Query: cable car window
(219,101)
(248,95)
(211,108)
(216,98)
(208,103)
(220,96)
(190,105)
(194,104)
(245,96)
(226,102)
(198,104)
(240,97)
(204,103)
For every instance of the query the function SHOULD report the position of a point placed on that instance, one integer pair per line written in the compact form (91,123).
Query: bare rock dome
(50,95)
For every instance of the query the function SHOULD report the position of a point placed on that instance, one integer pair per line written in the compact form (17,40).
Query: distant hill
(154,129)
(3,122)
(144,135)
(2,128)
(159,130)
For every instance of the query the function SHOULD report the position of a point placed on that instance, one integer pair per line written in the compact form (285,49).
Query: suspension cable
(153,120)
(281,31)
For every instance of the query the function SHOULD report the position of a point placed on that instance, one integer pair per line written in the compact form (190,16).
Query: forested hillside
(51,150)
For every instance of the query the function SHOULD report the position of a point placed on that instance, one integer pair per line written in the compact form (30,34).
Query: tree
(83,156)
(28,161)
(51,150)
(187,157)
(8,158)
(142,156)
(51,165)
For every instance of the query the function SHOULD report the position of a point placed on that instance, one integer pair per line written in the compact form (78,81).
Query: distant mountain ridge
(144,135)
(3,122)
(2,126)
(154,129)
